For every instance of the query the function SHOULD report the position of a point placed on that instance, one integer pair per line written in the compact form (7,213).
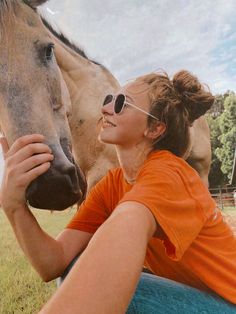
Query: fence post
(221,200)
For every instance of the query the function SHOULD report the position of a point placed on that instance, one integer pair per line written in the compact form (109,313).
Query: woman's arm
(25,160)
(105,277)
(47,255)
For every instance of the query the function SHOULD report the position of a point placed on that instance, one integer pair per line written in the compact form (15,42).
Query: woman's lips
(107,123)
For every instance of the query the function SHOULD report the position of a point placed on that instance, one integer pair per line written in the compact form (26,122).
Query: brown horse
(34,97)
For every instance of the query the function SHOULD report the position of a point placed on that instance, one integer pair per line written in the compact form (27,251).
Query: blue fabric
(160,295)
(156,295)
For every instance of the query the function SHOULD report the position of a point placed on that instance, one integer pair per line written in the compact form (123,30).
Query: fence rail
(224,196)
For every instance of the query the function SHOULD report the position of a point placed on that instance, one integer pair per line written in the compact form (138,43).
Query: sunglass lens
(107,100)
(119,103)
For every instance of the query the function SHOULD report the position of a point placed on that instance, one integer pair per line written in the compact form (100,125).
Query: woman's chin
(106,139)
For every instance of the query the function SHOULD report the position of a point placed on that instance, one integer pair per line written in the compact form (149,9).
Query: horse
(33,98)
(49,86)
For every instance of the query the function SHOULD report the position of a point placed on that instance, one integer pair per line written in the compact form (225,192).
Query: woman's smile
(106,123)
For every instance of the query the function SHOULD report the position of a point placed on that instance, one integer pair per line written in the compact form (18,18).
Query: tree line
(222,122)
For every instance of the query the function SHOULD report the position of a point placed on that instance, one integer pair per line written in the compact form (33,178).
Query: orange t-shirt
(199,249)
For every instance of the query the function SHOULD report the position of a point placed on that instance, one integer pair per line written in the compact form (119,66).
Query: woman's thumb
(4,144)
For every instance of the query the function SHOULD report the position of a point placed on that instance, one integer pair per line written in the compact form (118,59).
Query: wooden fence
(224,196)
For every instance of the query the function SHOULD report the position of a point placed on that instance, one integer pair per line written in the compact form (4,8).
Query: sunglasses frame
(125,102)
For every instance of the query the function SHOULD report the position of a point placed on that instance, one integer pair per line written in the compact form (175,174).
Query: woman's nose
(108,108)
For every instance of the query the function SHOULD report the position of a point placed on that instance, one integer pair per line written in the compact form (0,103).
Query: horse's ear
(35,3)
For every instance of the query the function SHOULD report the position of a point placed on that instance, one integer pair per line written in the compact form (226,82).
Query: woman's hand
(25,160)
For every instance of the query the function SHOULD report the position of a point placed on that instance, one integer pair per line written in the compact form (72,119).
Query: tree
(227,126)
(218,106)
(216,176)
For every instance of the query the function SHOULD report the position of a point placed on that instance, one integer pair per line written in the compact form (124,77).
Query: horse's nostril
(70,172)
(67,169)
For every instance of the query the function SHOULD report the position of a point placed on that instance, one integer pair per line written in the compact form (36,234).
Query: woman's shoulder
(164,159)
(164,164)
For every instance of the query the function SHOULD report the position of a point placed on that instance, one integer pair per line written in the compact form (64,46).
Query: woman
(153,211)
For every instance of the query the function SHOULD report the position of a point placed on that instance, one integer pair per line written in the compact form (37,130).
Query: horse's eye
(49,52)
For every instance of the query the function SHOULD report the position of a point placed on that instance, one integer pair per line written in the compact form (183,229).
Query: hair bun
(184,81)
(194,97)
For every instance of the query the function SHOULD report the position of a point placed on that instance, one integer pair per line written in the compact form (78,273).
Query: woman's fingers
(28,151)
(24,172)
(26,159)
(23,148)
(24,141)
(34,173)
(34,161)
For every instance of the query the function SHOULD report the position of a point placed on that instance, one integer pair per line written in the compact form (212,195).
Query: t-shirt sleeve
(176,210)
(93,211)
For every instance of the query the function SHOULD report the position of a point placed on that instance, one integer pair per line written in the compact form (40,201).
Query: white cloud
(134,37)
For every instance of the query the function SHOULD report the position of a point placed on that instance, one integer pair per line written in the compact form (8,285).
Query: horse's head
(34,98)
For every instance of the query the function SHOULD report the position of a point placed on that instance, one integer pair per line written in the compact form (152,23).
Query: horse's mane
(64,39)
(8,12)
(67,42)
(9,7)
(7,4)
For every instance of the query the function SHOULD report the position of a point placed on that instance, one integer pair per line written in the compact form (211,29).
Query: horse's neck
(74,68)
(83,76)
(87,83)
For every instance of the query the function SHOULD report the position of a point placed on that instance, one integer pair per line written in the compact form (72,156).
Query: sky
(133,37)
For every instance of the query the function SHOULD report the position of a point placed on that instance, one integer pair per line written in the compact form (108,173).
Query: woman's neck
(131,160)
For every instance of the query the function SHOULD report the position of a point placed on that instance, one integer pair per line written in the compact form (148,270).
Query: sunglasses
(121,102)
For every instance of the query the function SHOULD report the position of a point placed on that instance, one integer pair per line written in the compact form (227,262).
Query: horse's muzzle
(59,188)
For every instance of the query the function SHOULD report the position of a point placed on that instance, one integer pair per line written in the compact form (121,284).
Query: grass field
(21,290)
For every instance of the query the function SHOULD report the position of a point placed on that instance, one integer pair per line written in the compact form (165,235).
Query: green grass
(230,210)
(21,289)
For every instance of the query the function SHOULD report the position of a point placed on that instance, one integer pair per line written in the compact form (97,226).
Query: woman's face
(127,128)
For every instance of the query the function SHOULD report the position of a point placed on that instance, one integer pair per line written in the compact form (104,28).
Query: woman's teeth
(107,123)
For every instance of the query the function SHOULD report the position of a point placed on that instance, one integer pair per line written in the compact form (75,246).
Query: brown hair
(177,103)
